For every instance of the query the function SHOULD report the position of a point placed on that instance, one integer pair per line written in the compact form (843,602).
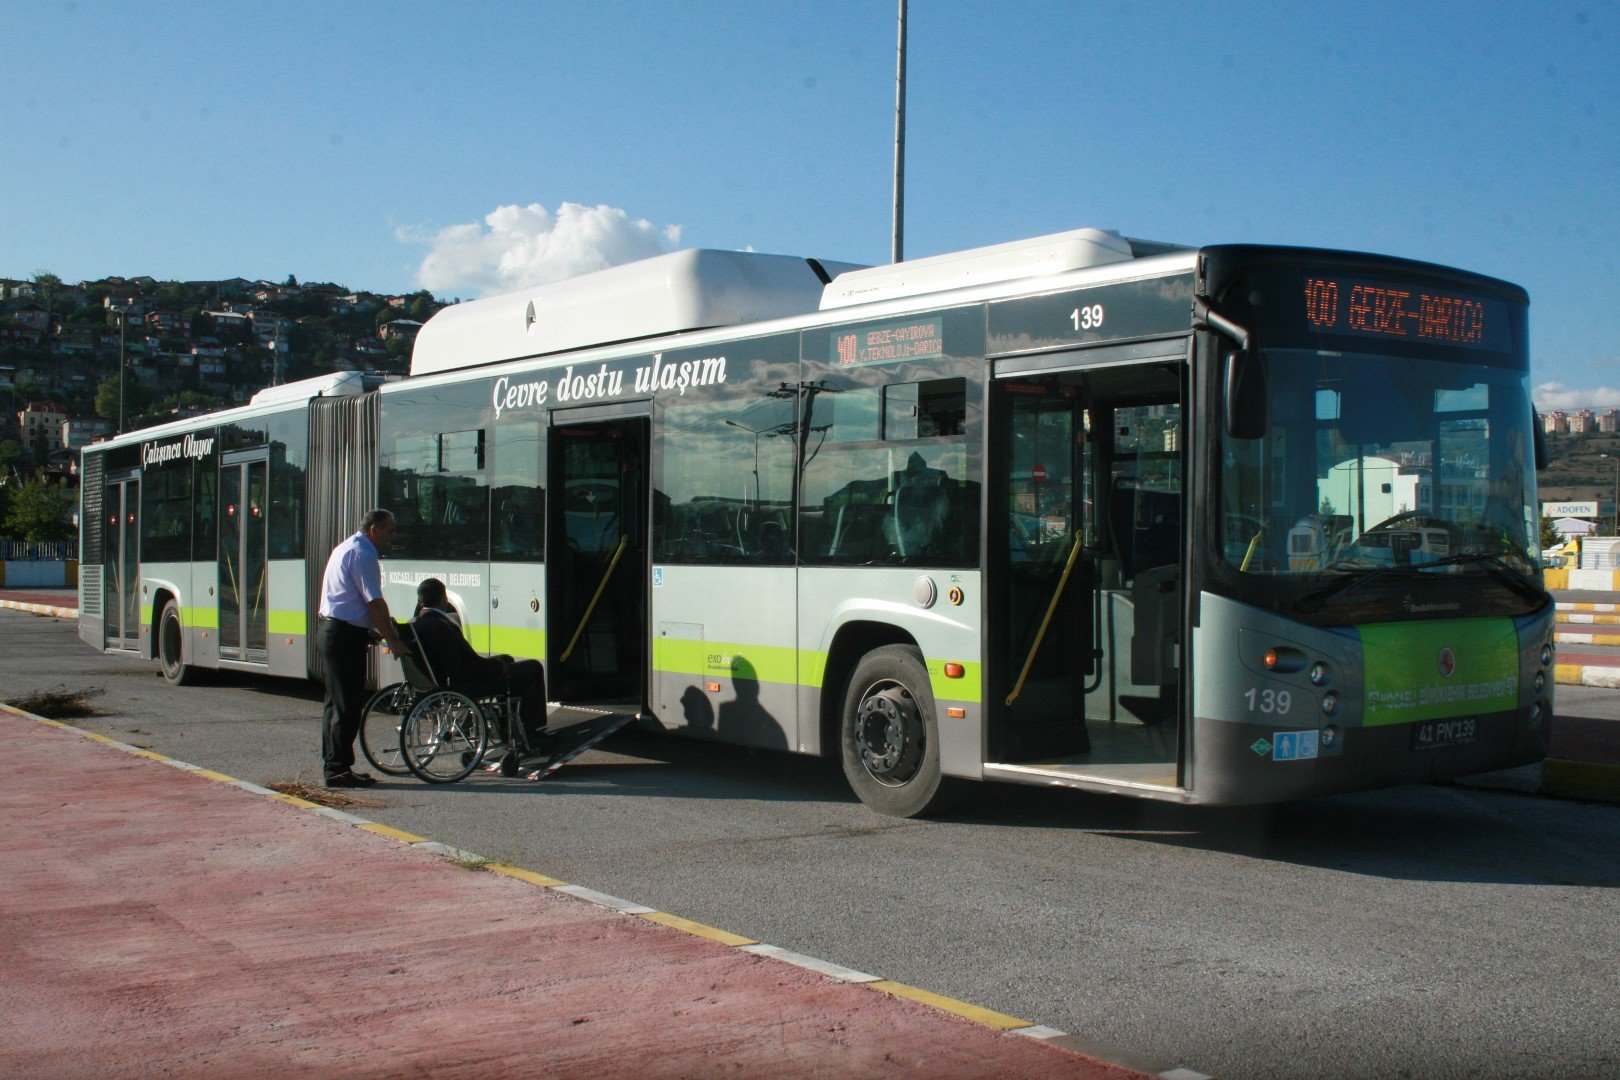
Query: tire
(444,737)
(171,638)
(380,728)
(891,737)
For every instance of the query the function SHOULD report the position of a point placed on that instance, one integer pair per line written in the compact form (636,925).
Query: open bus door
(1086,555)
(596,566)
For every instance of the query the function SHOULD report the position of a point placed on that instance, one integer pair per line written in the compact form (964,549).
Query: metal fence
(50,551)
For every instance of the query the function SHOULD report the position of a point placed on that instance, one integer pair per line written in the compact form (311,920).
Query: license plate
(1438,734)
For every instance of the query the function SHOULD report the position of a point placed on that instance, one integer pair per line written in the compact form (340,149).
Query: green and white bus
(1222,525)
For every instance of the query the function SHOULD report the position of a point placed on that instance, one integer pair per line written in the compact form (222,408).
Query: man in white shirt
(352,610)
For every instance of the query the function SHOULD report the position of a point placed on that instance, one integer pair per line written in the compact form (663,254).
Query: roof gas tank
(685,290)
(1040,257)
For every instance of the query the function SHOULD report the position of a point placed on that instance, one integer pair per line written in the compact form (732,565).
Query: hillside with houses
(187,347)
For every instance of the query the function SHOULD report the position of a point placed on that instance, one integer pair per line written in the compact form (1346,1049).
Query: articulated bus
(1222,525)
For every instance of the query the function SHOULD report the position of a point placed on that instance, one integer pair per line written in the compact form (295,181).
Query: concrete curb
(1606,676)
(1000,1022)
(1554,778)
(41,609)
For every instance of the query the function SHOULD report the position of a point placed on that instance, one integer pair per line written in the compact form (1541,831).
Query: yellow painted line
(988,1017)
(724,937)
(389,831)
(98,738)
(524,875)
(293,800)
(1567,673)
(210,774)
(152,755)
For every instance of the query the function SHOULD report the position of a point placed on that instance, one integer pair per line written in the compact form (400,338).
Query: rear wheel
(444,737)
(171,643)
(380,728)
(891,737)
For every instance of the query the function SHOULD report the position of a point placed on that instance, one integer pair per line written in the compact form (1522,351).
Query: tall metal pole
(900,142)
(122,319)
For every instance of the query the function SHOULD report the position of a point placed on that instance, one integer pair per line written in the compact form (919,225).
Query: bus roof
(685,290)
(701,289)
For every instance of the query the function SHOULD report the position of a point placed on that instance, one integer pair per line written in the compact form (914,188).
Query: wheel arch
(852,641)
(162,593)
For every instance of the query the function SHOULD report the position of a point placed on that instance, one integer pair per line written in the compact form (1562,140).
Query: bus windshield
(1380,472)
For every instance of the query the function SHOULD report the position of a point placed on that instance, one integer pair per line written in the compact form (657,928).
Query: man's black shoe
(350,779)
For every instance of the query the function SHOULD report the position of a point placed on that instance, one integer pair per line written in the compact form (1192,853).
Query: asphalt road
(1424,931)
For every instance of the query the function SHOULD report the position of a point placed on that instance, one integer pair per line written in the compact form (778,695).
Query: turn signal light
(954,670)
(1270,659)
(712,687)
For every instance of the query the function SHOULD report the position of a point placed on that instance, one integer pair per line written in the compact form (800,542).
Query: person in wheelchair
(463,669)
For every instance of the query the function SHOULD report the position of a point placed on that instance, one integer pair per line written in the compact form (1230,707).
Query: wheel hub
(889,735)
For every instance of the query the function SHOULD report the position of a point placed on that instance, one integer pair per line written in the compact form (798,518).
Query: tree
(1549,535)
(11,452)
(137,397)
(42,511)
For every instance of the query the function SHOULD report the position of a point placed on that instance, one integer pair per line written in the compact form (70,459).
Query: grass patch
(337,800)
(58,703)
(477,862)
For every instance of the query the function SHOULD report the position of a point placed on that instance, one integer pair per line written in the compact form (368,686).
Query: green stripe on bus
(726,659)
(287,622)
(775,664)
(518,641)
(202,618)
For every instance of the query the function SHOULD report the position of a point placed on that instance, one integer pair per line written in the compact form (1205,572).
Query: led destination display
(1395,310)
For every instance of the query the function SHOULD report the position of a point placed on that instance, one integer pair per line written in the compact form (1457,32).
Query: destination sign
(889,343)
(1388,310)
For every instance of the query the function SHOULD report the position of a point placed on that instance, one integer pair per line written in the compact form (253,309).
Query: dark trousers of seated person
(525,679)
(343,652)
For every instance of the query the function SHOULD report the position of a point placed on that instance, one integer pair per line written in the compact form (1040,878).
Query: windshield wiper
(1496,562)
(1493,561)
(1313,601)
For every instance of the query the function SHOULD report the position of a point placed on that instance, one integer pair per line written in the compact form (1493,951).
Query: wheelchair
(446,732)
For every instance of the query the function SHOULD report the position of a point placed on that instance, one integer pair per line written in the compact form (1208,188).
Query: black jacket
(454,661)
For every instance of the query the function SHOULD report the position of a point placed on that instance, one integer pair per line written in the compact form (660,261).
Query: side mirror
(1539,433)
(1245,395)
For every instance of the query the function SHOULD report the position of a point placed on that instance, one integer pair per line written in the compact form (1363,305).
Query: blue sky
(469,147)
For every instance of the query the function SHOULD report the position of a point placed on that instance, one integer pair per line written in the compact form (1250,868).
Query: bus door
(121,566)
(1087,482)
(596,557)
(243,562)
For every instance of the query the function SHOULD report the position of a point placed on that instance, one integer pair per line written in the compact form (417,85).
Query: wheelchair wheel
(379,728)
(444,737)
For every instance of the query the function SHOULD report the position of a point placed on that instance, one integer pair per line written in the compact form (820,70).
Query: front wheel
(171,648)
(380,728)
(444,737)
(891,737)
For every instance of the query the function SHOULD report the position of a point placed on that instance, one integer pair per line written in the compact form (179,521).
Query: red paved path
(156,923)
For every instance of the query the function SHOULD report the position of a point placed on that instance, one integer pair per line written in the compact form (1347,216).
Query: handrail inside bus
(1253,544)
(1040,635)
(591,607)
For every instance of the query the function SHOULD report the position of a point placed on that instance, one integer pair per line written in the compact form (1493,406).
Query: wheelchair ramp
(572,731)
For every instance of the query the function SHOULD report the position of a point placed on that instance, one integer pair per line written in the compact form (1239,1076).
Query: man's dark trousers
(343,651)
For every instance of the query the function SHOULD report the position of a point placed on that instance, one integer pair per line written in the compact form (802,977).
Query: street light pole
(1616,463)
(122,320)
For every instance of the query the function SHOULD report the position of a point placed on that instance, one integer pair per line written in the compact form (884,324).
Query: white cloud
(1555,395)
(519,246)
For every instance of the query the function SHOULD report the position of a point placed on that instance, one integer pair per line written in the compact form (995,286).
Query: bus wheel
(171,645)
(890,737)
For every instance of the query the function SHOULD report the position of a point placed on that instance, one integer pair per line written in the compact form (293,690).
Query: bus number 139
(1087,318)
(1269,701)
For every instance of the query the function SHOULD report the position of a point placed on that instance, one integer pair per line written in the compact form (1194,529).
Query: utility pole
(897,251)
(123,314)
